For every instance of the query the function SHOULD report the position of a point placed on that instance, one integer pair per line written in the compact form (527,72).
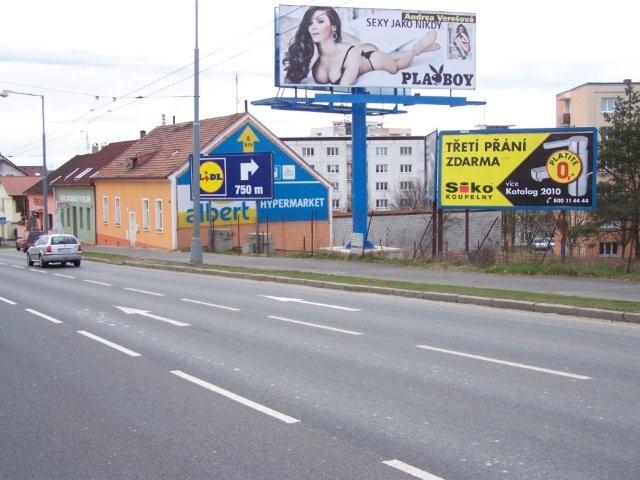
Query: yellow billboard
(530,169)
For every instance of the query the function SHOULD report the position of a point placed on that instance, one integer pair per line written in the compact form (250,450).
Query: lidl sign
(552,169)
(235,176)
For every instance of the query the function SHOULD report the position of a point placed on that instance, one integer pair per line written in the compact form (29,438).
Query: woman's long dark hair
(296,60)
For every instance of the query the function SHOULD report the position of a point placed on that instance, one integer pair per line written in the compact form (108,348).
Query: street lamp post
(196,245)
(45,193)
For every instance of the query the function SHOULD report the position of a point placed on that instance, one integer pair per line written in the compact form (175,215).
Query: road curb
(593,313)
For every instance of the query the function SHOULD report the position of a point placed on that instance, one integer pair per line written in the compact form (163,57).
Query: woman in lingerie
(462,41)
(317,46)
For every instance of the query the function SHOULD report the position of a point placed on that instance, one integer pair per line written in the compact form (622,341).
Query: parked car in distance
(55,248)
(30,236)
(543,243)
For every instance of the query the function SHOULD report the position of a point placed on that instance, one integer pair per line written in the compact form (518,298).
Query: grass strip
(604,304)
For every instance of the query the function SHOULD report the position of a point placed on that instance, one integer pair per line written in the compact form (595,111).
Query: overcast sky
(92,58)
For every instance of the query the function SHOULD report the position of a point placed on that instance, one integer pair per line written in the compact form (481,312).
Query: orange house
(143,195)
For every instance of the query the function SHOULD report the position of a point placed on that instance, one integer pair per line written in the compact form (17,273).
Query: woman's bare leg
(392,62)
(426,44)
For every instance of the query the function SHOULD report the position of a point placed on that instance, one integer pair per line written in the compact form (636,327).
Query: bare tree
(410,195)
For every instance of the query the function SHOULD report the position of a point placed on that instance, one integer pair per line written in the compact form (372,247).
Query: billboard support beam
(359,180)
(357,103)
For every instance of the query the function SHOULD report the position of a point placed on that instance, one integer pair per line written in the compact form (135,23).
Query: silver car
(56,248)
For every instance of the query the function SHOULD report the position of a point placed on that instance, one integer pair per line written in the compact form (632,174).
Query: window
(382,168)
(405,168)
(68,216)
(405,202)
(145,213)
(382,151)
(608,249)
(604,131)
(105,210)
(382,186)
(608,104)
(406,185)
(335,203)
(308,151)
(332,151)
(159,223)
(333,168)
(382,203)
(88,218)
(116,211)
(62,217)
(81,218)
(406,151)
(335,185)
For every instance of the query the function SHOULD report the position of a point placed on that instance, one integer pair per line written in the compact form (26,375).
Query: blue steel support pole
(359,170)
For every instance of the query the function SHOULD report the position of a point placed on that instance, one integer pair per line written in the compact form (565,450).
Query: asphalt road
(117,372)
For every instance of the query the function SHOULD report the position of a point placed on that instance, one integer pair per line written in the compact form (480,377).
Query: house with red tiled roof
(14,205)
(8,168)
(74,193)
(144,199)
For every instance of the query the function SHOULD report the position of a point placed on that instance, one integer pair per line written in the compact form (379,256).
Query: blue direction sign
(3,220)
(236,176)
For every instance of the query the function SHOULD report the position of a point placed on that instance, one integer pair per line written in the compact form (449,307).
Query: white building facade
(395,160)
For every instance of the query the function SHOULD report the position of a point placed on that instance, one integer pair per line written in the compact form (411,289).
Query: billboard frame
(423,78)
(499,131)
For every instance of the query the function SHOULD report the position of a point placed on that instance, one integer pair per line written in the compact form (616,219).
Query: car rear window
(63,240)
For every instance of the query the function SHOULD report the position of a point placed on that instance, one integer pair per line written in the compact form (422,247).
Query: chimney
(164,119)
(95,148)
(142,133)
(174,119)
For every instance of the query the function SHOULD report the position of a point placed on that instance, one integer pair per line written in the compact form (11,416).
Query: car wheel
(29,261)
(76,263)
(41,262)
(63,264)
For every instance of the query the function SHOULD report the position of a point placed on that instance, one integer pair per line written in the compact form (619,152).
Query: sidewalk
(578,287)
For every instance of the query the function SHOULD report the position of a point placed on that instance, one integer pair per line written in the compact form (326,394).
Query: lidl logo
(211,177)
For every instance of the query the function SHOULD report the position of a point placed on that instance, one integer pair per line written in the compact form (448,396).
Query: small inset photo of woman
(459,41)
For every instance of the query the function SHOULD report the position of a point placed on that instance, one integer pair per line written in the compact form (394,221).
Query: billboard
(371,47)
(236,176)
(542,169)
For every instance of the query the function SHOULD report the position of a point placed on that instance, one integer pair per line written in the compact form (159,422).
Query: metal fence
(485,237)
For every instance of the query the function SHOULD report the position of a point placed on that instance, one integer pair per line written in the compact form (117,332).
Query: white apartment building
(395,160)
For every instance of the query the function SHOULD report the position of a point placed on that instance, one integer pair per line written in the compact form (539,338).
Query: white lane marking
(42,315)
(18,266)
(210,304)
(131,353)
(146,313)
(2,263)
(406,468)
(6,300)
(37,271)
(300,300)
(504,362)
(244,401)
(61,275)
(97,283)
(315,325)
(144,291)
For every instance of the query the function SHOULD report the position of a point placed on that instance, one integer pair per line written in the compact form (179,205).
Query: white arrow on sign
(247,169)
(146,313)
(299,300)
